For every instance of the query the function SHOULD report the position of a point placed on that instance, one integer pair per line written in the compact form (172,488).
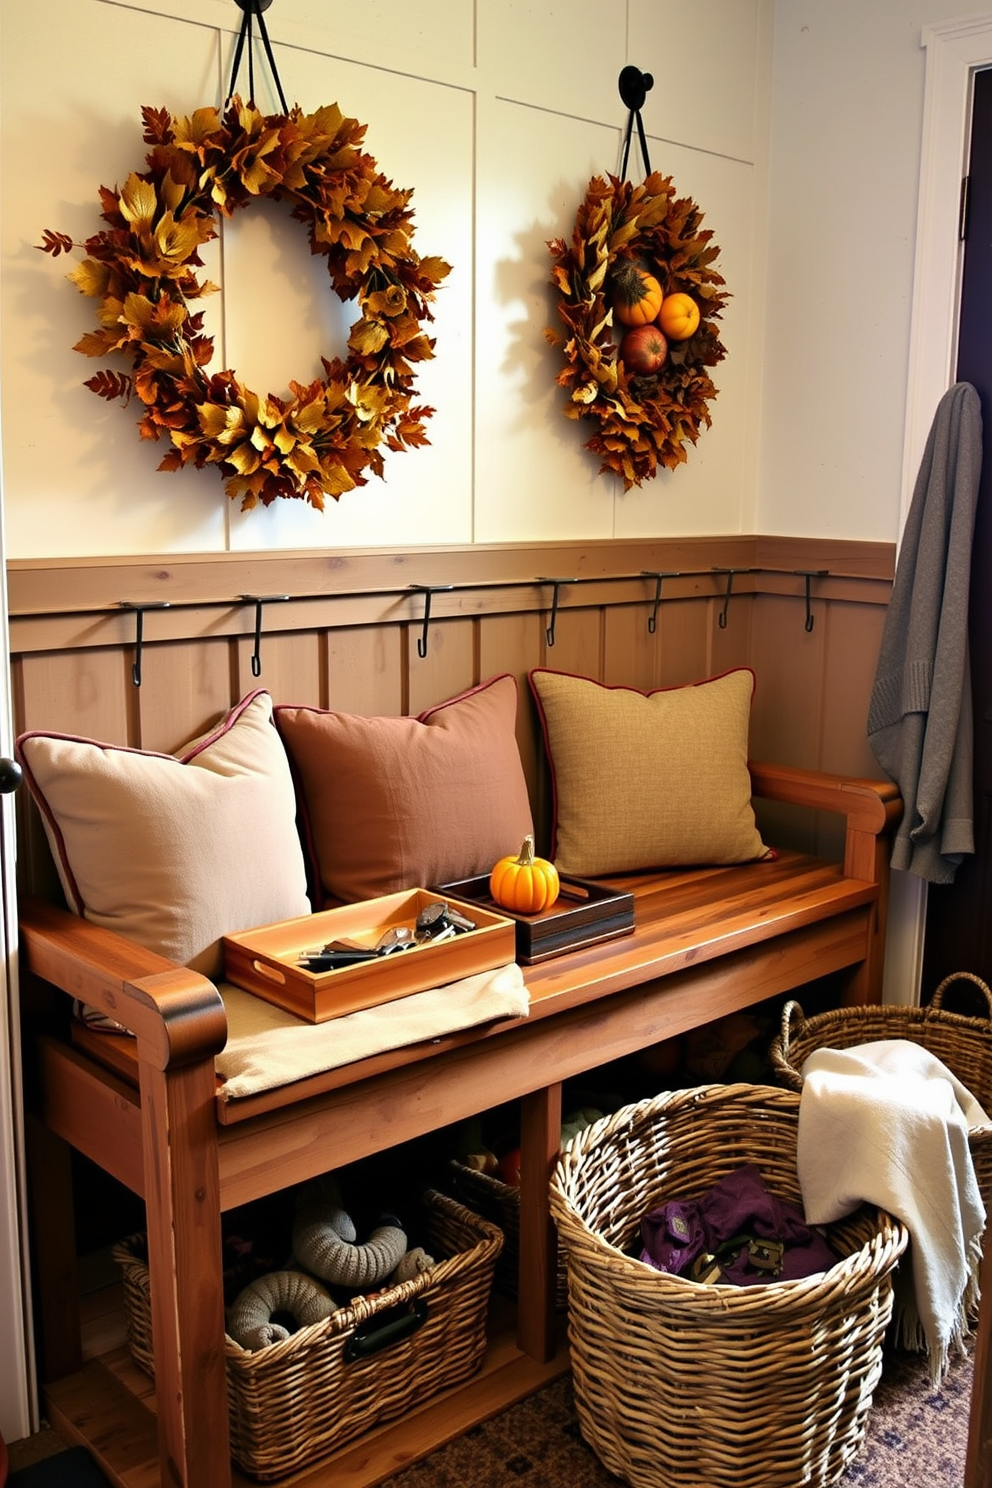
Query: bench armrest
(176,1015)
(872,808)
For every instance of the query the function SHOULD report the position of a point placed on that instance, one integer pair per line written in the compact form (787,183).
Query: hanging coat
(919,718)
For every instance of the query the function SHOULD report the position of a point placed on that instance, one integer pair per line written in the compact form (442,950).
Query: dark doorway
(959,915)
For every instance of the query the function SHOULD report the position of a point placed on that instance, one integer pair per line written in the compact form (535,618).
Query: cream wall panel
(76,477)
(562,56)
(533,479)
(847,116)
(424,34)
(681,46)
(426,496)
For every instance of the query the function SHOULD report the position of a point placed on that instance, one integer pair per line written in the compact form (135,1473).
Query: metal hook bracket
(650,573)
(139,616)
(809,574)
(258,600)
(549,634)
(730,572)
(427,590)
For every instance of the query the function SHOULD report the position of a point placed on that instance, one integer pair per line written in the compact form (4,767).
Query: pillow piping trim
(223,727)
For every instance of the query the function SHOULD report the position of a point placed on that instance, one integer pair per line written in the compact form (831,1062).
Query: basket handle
(369,1339)
(790,1011)
(937,999)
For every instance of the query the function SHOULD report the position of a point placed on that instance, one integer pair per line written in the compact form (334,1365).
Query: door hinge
(963,208)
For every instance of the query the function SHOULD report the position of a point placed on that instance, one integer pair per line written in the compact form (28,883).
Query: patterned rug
(915,1436)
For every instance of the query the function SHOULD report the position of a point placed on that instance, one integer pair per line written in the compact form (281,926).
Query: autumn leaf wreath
(141,268)
(637,298)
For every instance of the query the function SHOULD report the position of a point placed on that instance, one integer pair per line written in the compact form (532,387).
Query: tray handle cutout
(272,973)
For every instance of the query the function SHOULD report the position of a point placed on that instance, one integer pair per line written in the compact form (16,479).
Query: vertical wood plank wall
(342,630)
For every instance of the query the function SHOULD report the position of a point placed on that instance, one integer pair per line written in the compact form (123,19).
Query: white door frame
(955,51)
(18,1396)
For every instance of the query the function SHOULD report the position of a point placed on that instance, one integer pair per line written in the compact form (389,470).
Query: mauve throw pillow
(648,780)
(174,851)
(399,803)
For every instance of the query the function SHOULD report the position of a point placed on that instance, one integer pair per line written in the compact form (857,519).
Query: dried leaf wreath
(643,420)
(141,268)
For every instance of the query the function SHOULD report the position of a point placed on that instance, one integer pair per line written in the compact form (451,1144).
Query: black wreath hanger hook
(635,86)
(251,9)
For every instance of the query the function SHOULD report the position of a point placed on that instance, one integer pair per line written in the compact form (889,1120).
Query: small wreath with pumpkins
(638,297)
(322,439)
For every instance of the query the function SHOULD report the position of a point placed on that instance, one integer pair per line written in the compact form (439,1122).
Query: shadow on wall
(530,360)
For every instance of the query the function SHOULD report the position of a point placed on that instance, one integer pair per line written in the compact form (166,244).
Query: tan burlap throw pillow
(648,780)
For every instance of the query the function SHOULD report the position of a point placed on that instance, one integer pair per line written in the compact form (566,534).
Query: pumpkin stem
(526,858)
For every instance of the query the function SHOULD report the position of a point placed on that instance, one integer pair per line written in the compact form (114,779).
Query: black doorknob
(11,775)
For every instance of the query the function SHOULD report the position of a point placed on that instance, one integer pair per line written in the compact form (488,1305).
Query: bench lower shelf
(109,1406)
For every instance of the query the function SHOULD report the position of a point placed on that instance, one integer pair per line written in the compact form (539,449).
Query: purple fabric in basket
(739,1203)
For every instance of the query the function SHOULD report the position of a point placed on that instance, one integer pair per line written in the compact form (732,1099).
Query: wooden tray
(264,961)
(583,913)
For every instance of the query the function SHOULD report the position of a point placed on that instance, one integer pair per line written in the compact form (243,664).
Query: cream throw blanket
(267,1046)
(887,1123)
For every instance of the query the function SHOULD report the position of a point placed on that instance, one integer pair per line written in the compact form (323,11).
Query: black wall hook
(549,634)
(250,9)
(809,574)
(427,590)
(722,617)
(634,87)
(139,616)
(650,573)
(258,600)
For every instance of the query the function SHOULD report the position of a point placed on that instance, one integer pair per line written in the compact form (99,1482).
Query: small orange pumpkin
(637,295)
(526,884)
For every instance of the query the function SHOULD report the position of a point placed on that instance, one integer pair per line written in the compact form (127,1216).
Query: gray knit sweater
(919,718)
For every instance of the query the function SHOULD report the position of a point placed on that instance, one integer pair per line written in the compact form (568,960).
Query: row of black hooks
(139,607)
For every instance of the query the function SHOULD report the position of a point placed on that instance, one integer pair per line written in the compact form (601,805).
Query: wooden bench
(705,943)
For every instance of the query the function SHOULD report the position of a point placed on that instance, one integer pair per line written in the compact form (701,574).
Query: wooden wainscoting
(346,630)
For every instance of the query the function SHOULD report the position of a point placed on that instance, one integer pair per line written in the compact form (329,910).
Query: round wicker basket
(964,1044)
(680,1384)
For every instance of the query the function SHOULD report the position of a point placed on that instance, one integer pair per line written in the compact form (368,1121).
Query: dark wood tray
(584,913)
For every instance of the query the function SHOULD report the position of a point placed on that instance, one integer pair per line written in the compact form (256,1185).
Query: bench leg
(185,1264)
(540,1141)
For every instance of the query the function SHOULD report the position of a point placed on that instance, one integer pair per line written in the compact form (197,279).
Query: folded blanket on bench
(267,1047)
(887,1123)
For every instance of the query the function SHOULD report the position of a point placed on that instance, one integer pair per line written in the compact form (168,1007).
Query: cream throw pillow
(648,780)
(174,851)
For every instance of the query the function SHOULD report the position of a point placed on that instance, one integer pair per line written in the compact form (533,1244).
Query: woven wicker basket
(963,1044)
(677,1383)
(500,1204)
(302,1398)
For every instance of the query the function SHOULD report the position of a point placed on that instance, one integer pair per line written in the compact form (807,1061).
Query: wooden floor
(109,1406)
